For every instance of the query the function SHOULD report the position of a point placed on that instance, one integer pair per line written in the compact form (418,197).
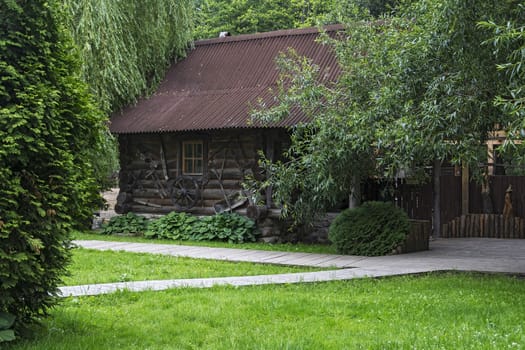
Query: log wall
(229,156)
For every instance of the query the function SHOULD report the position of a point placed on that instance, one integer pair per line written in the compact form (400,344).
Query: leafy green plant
(230,227)
(6,324)
(128,224)
(227,227)
(374,228)
(176,226)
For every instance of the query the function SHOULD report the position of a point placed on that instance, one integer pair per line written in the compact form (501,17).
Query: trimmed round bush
(374,228)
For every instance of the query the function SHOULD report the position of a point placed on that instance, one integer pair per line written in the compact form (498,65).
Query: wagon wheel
(184,192)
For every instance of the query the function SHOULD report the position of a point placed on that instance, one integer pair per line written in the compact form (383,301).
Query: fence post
(437,198)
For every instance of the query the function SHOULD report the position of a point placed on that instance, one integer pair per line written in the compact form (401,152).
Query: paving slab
(468,254)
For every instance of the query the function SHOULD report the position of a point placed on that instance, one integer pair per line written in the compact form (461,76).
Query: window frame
(193,158)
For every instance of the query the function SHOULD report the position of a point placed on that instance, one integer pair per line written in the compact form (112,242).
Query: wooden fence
(417,238)
(416,200)
(485,225)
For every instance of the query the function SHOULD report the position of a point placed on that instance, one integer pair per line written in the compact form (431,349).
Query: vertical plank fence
(484,225)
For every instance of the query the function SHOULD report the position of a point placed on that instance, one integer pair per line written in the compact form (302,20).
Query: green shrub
(48,122)
(176,226)
(230,227)
(374,228)
(130,224)
(6,324)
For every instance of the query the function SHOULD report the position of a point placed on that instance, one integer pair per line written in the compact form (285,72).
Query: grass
(92,266)
(283,247)
(435,311)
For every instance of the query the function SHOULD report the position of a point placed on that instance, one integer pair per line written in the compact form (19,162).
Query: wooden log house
(191,145)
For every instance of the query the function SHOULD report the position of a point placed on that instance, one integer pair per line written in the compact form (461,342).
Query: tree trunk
(354,199)
(437,198)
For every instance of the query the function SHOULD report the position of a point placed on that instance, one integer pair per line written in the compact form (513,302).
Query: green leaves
(126,46)
(229,227)
(253,16)
(129,224)
(415,86)
(175,225)
(47,123)
(375,228)
(6,322)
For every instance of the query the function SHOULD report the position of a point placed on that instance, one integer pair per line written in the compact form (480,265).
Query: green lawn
(93,266)
(303,248)
(436,311)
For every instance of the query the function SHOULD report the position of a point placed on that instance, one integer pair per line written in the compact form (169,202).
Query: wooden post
(465,177)
(270,153)
(437,198)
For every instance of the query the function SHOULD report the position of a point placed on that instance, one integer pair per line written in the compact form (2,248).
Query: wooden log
(495,225)
(481,224)
(444,232)
(462,225)
(501,227)
(146,203)
(226,183)
(154,201)
(228,174)
(256,212)
(485,224)
(492,225)
(137,208)
(230,163)
(213,194)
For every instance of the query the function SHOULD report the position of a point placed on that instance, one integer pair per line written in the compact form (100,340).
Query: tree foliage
(509,43)
(47,122)
(126,46)
(416,86)
(252,16)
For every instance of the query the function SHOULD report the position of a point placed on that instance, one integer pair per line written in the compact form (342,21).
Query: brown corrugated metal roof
(221,80)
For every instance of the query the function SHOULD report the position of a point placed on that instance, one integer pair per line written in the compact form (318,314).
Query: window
(192,158)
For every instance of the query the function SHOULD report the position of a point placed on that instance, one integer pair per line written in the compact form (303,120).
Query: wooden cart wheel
(184,192)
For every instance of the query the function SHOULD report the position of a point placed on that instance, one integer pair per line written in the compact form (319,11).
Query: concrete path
(468,254)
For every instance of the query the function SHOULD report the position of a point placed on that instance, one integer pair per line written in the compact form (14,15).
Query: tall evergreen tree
(47,122)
